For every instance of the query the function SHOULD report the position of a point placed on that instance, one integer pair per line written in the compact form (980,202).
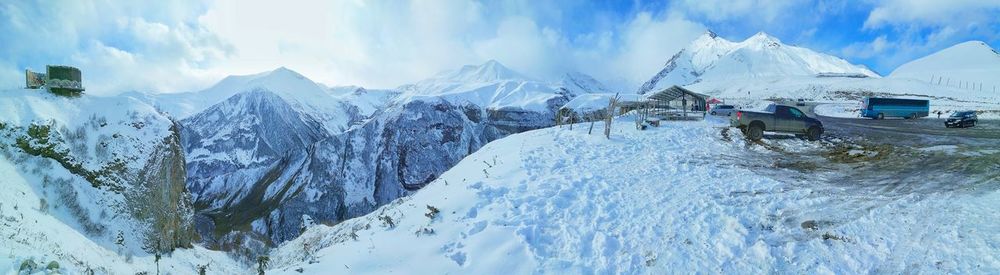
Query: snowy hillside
(580,84)
(92,183)
(678,197)
(972,66)
(712,58)
(493,86)
(367,101)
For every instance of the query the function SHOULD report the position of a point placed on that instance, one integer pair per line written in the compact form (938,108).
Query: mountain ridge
(710,57)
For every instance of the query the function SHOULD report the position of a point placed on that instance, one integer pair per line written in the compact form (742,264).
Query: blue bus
(879,108)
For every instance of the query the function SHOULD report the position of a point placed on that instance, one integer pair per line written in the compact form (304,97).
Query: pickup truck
(777,118)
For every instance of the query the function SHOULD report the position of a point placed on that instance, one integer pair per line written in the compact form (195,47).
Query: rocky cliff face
(111,167)
(341,176)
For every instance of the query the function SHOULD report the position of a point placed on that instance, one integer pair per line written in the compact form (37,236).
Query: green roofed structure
(60,80)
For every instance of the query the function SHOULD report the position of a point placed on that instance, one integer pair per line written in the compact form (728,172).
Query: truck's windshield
(796,113)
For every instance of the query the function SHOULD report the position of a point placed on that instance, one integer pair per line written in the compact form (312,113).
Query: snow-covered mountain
(712,58)
(972,65)
(268,160)
(91,182)
(493,86)
(576,83)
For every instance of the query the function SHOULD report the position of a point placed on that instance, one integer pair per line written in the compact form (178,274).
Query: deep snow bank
(677,197)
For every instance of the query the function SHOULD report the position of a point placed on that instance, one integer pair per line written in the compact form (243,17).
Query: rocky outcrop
(126,186)
(159,198)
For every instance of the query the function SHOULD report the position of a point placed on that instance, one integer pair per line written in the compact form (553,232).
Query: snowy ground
(30,232)
(684,196)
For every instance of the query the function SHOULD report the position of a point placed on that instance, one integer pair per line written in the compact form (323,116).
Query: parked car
(962,119)
(801,102)
(777,118)
(723,110)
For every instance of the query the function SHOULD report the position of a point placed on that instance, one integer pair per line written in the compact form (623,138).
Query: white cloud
(648,43)
(932,13)
(167,47)
(728,10)
(921,27)
(338,42)
(868,49)
(119,46)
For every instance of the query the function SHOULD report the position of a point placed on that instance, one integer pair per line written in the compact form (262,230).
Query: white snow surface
(52,231)
(971,65)
(368,101)
(33,233)
(589,102)
(655,201)
(491,85)
(712,58)
(300,92)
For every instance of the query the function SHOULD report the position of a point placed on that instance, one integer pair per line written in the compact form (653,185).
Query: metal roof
(675,93)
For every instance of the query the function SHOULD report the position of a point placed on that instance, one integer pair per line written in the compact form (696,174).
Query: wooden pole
(609,116)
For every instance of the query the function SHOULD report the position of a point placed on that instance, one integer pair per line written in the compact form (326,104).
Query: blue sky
(171,46)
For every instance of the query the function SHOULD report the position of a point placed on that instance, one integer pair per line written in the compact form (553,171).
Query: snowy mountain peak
(763,40)
(712,58)
(710,34)
(489,71)
(580,83)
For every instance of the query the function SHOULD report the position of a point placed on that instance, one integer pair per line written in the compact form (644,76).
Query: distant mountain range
(712,58)
(282,149)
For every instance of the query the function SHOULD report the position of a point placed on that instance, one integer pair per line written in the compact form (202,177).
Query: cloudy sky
(174,46)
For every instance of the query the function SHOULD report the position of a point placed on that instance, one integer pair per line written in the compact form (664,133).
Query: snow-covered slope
(367,101)
(90,182)
(972,65)
(579,84)
(493,86)
(712,58)
(676,197)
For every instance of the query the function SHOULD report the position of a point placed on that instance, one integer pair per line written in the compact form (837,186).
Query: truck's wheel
(813,133)
(755,132)
(881,116)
